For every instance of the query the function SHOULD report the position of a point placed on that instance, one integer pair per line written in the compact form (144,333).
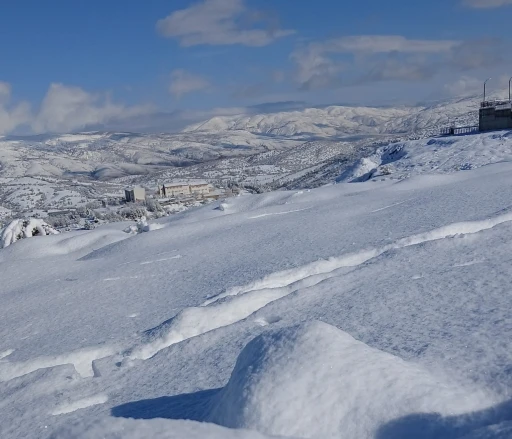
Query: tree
(24,228)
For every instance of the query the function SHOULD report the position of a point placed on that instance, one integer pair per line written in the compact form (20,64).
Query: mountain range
(289,148)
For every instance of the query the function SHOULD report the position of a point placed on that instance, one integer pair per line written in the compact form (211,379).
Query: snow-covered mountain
(105,155)
(109,155)
(346,121)
(367,310)
(288,149)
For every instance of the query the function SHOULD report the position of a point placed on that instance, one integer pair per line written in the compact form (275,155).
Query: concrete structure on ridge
(495,115)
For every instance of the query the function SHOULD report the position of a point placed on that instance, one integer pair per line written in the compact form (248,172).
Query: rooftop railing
(454,131)
(493,103)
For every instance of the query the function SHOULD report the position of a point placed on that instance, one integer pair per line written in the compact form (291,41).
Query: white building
(178,189)
(200,187)
(134,194)
(196,188)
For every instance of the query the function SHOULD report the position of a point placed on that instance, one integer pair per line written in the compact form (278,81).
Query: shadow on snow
(195,406)
(189,406)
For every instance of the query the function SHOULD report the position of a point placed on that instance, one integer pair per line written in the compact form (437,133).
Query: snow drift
(439,155)
(314,380)
(416,267)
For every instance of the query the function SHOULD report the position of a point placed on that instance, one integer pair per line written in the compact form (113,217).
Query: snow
(377,309)
(305,148)
(361,170)
(24,228)
(440,155)
(4,212)
(154,429)
(317,381)
(80,404)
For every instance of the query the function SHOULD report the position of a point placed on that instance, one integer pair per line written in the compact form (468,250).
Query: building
(135,194)
(196,188)
(200,187)
(178,189)
(495,115)
(57,213)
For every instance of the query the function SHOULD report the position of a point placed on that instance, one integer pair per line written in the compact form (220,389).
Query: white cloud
(11,116)
(486,4)
(5,91)
(372,58)
(183,82)
(316,67)
(464,86)
(66,108)
(278,75)
(386,44)
(221,22)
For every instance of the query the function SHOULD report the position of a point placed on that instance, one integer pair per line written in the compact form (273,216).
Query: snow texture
(378,309)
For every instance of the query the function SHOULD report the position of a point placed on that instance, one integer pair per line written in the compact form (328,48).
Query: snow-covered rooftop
(504,106)
(185,183)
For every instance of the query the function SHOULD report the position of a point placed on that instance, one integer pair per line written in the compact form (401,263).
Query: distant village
(183,192)
(136,202)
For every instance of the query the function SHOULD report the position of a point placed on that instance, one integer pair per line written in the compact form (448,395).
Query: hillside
(346,121)
(376,309)
(290,149)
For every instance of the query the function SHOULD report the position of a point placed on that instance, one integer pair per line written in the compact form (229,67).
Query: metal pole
(485,83)
(509,81)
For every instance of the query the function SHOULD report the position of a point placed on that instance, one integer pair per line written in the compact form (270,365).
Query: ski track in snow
(391,205)
(80,404)
(138,261)
(468,264)
(110,279)
(278,213)
(161,260)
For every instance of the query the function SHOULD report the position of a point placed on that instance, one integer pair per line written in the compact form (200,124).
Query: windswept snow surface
(439,155)
(372,310)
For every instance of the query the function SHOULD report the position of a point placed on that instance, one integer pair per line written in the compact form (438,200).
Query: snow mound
(438,155)
(25,228)
(362,170)
(142,226)
(78,243)
(314,380)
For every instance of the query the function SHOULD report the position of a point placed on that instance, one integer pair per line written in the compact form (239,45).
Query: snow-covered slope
(439,155)
(346,121)
(370,310)
(107,155)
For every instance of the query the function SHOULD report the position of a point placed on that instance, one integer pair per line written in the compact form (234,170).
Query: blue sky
(69,65)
